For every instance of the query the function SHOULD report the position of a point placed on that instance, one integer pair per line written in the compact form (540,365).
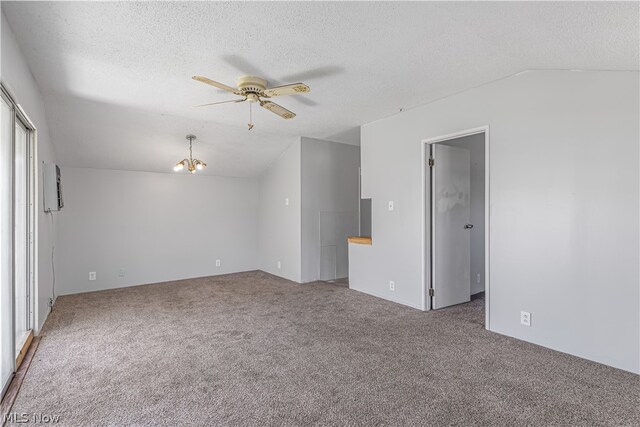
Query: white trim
(37,322)
(386,298)
(34,214)
(426,264)
(456,135)
(25,118)
(8,241)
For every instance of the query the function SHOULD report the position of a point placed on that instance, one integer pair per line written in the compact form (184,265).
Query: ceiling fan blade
(222,102)
(292,89)
(277,109)
(215,84)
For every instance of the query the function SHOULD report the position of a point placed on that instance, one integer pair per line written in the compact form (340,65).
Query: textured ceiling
(116,76)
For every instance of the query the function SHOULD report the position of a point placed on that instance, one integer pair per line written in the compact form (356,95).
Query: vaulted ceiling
(116,76)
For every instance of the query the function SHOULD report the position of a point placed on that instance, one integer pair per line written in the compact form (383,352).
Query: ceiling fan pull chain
(250,115)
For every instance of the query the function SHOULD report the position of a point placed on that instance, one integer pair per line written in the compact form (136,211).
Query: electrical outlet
(279,265)
(122,272)
(92,275)
(478,278)
(390,205)
(525,318)
(286,201)
(392,285)
(217,263)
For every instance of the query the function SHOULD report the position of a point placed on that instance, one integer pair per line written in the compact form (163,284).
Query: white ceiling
(116,76)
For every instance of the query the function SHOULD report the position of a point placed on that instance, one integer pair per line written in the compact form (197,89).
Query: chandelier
(191,163)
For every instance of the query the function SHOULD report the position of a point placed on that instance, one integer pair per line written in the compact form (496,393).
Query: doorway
(457,220)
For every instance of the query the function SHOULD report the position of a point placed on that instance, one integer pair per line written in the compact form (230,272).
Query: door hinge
(431,292)
(431,161)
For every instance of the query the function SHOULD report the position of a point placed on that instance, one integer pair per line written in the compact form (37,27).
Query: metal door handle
(468,226)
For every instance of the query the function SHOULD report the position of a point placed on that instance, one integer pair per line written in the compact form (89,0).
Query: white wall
(279,230)
(156,226)
(365,217)
(475,145)
(330,197)
(18,80)
(563,199)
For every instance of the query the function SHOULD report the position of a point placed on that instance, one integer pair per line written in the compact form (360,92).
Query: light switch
(390,205)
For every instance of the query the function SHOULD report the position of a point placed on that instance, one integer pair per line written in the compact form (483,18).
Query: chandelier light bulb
(199,166)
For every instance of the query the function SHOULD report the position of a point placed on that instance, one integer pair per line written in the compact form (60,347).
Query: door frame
(21,119)
(427,217)
(34,200)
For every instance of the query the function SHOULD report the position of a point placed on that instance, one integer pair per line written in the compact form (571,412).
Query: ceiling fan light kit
(191,164)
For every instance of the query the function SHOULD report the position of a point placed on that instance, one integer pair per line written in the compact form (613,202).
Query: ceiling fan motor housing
(252,87)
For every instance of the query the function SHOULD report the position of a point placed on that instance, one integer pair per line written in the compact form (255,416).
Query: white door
(451,237)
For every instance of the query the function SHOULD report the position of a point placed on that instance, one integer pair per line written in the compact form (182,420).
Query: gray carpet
(253,349)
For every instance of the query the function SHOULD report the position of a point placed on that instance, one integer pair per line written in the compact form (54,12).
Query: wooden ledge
(24,349)
(359,240)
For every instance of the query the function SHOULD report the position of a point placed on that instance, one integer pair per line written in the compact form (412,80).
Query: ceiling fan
(254,89)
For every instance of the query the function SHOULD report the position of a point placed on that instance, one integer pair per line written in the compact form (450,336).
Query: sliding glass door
(16,243)
(21,279)
(7,357)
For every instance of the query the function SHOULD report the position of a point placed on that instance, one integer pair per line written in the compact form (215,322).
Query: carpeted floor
(253,349)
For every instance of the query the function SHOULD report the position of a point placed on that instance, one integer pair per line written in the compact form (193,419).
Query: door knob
(468,226)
